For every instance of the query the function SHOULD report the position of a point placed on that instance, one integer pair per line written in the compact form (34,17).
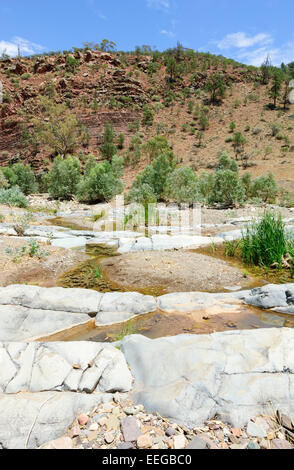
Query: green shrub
(206,182)
(182,186)
(148,116)
(227,188)
(108,149)
(264,242)
(156,146)
(247,183)
(142,194)
(9,175)
(154,176)
(24,178)
(226,163)
(3,181)
(101,182)
(265,188)
(13,197)
(64,177)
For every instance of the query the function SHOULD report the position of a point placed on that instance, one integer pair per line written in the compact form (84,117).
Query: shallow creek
(91,275)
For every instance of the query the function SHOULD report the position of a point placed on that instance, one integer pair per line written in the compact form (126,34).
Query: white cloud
(26,47)
(277,55)
(158,4)
(241,40)
(241,47)
(101,16)
(167,33)
(257,56)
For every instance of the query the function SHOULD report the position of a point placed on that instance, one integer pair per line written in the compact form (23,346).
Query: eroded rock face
(236,375)
(85,368)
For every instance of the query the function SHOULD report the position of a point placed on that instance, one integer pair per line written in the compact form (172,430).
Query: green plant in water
(264,242)
(97,273)
(126,330)
(213,247)
(231,248)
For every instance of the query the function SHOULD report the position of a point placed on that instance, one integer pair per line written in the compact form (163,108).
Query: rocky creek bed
(163,390)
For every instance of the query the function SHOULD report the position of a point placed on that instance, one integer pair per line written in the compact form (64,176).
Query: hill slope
(100,87)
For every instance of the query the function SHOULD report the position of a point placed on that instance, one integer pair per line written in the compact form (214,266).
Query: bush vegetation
(265,242)
(13,197)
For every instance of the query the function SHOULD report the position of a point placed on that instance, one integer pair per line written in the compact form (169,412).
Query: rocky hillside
(100,87)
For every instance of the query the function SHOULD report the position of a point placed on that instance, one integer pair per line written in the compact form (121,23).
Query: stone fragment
(253,445)
(83,419)
(109,437)
(255,430)
(60,444)
(130,429)
(197,443)
(74,432)
(144,441)
(179,441)
(113,423)
(281,444)
(170,431)
(93,427)
(125,446)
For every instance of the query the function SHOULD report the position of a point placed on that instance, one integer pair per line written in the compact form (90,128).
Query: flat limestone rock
(54,298)
(116,307)
(19,323)
(70,242)
(235,374)
(190,301)
(29,420)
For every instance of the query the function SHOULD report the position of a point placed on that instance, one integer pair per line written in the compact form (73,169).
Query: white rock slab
(29,420)
(18,323)
(116,307)
(237,375)
(54,298)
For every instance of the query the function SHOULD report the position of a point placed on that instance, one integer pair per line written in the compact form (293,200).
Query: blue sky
(246,30)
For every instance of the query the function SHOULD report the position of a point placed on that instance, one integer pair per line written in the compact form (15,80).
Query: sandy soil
(175,271)
(42,272)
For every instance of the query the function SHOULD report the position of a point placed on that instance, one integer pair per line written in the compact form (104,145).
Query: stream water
(90,275)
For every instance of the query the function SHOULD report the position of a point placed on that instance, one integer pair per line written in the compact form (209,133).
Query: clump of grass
(231,247)
(264,242)
(127,330)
